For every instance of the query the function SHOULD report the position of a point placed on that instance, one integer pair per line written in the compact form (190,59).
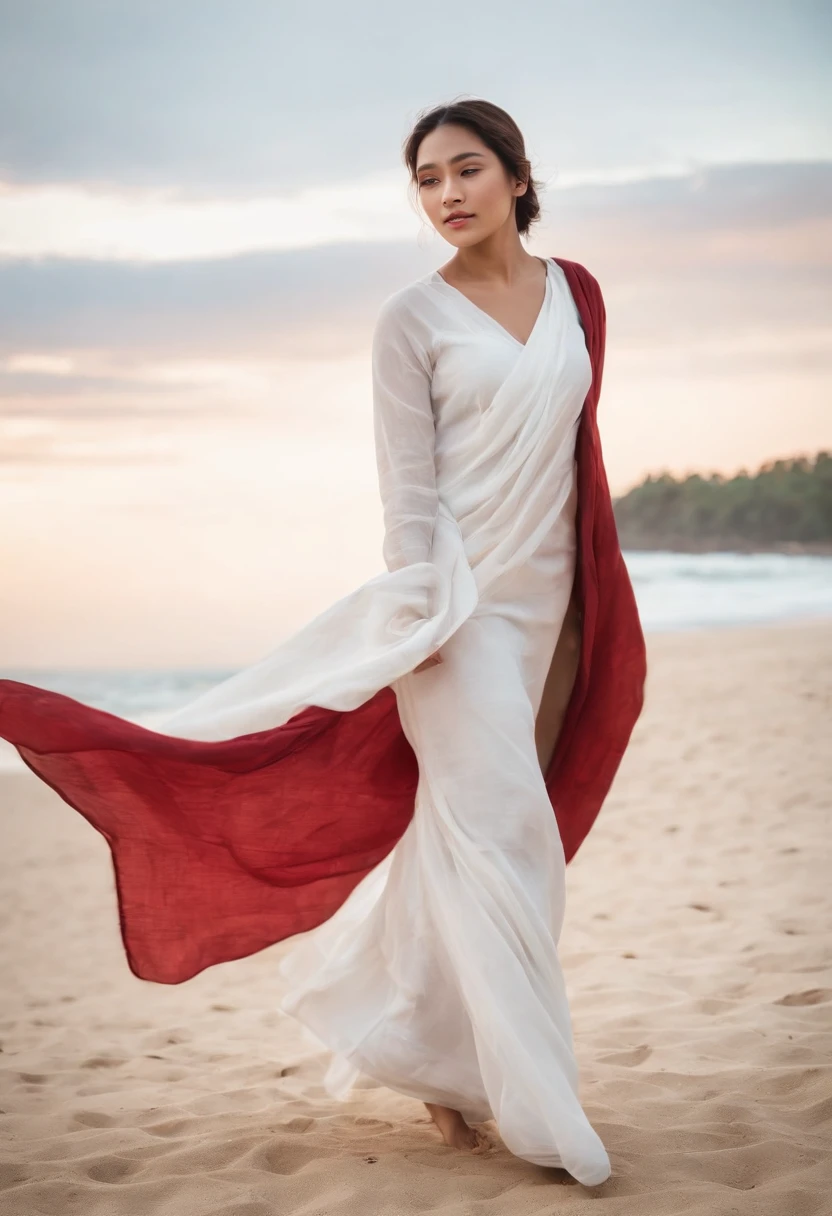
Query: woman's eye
(426,181)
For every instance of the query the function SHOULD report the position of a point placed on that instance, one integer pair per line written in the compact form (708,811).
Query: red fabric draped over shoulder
(223,848)
(608,694)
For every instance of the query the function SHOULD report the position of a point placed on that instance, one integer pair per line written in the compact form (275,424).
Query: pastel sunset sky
(202,206)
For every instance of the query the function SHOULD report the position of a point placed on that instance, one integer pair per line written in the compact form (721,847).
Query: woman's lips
(457,223)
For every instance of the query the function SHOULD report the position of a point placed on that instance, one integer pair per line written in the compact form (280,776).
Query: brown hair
(498,131)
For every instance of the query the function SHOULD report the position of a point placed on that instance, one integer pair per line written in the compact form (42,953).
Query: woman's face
(456,171)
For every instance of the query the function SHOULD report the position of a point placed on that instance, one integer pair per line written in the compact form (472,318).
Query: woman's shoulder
(577,273)
(406,301)
(406,314)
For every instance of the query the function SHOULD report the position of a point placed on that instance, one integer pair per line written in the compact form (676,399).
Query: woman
(380,776)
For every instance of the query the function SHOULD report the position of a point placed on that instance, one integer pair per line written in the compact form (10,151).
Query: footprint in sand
(170,1127)
(11,1175)
(285,1156)
(637,1055)
(101,1062)
(714,1005)
(92,1118)
(297,1123)
(812,996)
(111,1169)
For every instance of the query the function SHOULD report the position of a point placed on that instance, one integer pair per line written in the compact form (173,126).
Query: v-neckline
(500,326)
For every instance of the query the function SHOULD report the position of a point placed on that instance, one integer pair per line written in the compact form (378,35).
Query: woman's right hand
(430,661)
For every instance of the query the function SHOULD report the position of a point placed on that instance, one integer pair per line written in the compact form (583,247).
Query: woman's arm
(405,438)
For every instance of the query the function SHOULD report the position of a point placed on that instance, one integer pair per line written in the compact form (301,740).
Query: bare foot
(455,1131)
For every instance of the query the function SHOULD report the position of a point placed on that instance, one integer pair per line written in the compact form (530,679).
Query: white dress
(439,976)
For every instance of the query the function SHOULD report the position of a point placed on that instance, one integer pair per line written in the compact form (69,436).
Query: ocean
(675,591)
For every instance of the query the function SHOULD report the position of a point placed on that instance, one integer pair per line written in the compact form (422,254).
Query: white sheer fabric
(439,976)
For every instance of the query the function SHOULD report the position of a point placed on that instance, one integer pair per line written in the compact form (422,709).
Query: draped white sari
(466,496)
(439,976)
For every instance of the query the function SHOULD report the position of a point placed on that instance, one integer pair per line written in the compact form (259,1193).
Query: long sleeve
(404,440)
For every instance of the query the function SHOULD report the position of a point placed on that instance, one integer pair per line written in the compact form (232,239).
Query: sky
(202,207)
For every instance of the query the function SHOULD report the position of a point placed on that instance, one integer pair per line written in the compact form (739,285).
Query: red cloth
(223,848)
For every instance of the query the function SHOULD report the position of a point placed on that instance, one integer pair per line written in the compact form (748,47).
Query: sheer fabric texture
(270,805)
(439,976)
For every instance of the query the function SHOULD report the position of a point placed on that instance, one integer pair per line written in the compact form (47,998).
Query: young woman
(409,774)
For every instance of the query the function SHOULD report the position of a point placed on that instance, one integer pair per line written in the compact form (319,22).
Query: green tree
(786,502)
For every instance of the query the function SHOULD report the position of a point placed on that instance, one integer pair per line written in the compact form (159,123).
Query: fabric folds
(263,804)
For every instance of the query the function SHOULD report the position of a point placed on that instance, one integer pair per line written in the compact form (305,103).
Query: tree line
(786,504)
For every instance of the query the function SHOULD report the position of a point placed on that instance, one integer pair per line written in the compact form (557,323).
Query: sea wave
(675,591)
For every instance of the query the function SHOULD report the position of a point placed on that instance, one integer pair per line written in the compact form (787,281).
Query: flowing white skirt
(439,977)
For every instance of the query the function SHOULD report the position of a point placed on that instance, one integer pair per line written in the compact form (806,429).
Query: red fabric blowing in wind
(223,848)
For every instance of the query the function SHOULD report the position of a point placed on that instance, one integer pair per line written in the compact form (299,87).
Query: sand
(697,955)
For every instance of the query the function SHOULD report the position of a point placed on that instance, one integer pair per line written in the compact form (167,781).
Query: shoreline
(11,762)
(807,617)
(737,548)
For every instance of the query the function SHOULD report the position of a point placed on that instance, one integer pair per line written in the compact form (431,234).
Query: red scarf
(223,848)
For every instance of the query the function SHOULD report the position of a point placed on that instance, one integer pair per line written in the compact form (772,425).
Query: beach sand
(697,957)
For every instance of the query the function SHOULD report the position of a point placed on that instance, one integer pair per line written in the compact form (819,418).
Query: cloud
(272,302)
(128,226)
(718,300)
(742,246)
(162,226)
(255,96)
(203,206)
